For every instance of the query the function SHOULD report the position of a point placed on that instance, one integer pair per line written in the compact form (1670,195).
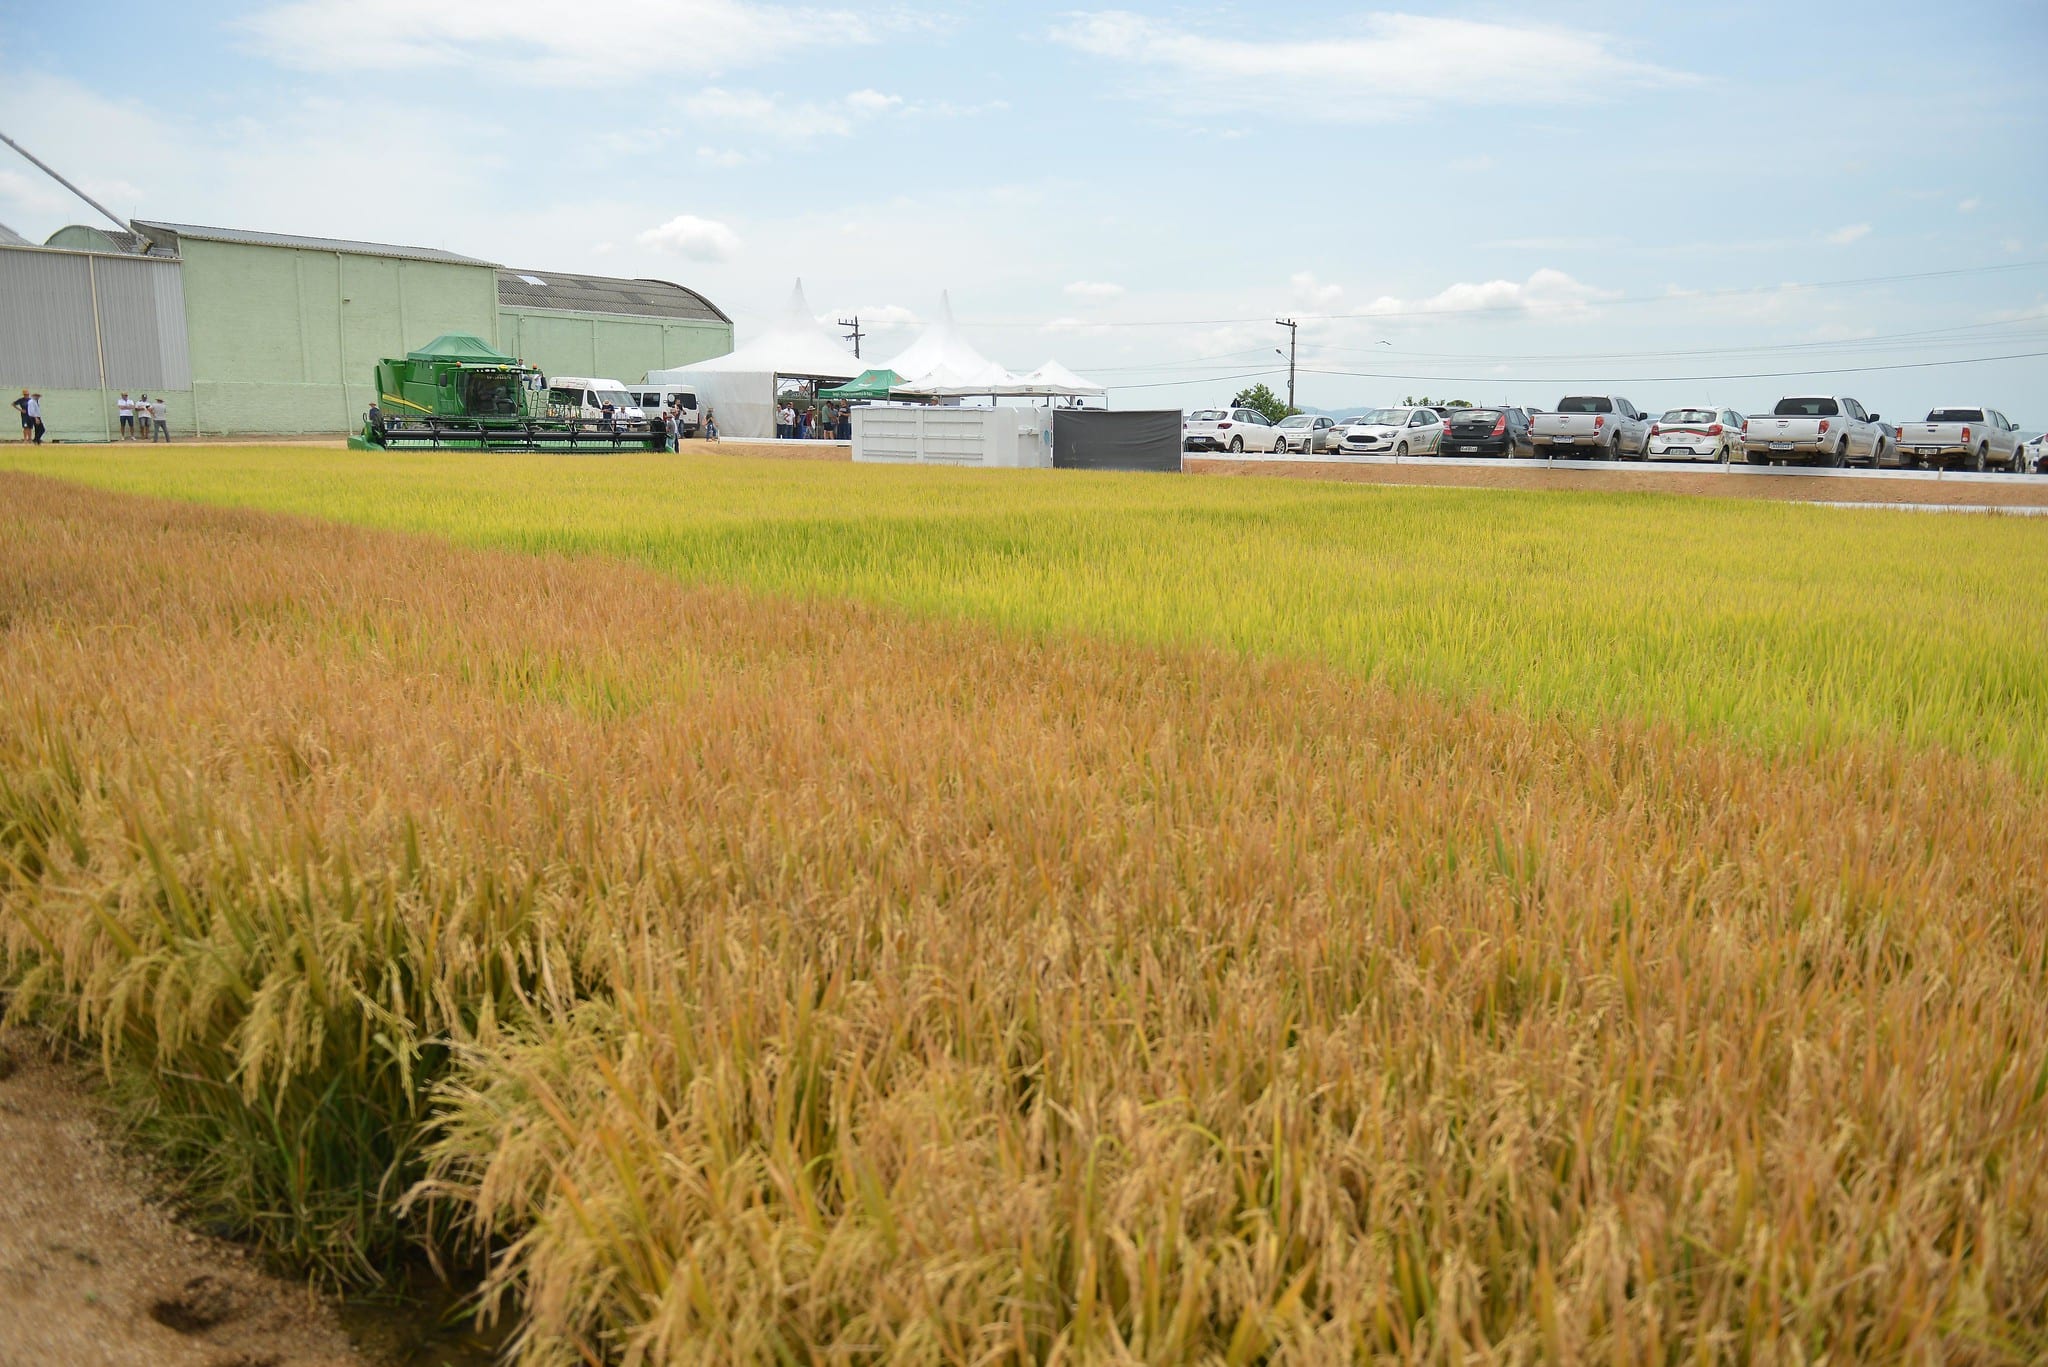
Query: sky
(1503,203)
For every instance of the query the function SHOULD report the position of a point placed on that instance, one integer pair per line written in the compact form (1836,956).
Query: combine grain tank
(458,392)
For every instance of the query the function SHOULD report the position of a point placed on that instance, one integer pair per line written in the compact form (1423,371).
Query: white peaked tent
(1053,380)
(942,361)
(739,387)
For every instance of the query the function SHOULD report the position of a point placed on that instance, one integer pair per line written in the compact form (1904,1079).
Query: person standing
(35,417)
(28,417)
(160,421)
(126,407)
(710,428)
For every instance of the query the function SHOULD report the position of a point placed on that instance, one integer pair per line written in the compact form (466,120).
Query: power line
(1677,379)
(1617,300)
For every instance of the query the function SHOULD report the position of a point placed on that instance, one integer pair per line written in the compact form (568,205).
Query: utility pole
(1291,327)
(854,336)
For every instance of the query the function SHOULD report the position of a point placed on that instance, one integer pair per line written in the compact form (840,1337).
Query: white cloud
(1094,289)
(1548,291)
(1854,232)
(1969,206)
(768,116)
(873,316)
(699,239)
(543,44)
(1386,66)
(872,102)
(1313,293)
(723,156)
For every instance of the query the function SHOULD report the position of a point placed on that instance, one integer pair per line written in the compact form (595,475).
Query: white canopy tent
(943,361)
(740,386)
(1050,381)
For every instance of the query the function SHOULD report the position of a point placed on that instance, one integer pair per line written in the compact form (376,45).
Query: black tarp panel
(1093,439)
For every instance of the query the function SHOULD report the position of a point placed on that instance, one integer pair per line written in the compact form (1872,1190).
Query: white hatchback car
(1235,430)
(1695,434)
(1394,432)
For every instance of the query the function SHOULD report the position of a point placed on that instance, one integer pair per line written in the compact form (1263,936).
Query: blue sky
(1512,201)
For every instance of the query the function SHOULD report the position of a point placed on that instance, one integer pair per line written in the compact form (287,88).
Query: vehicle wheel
(1613,451)
(1840,458)
(1977,461)
(1237,446)
(1727,453)
(1402,449)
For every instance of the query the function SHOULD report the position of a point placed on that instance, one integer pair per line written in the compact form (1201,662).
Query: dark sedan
(1488,432)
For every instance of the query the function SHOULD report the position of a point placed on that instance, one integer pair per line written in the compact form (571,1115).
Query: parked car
(1696,434)
(1602,426)
(2037,450)
(1819,429)
(1235,430)
(1308,432)
(1394,431)
(1973,438)
(1488,432)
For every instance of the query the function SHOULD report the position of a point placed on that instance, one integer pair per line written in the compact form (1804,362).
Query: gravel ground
(92,1272)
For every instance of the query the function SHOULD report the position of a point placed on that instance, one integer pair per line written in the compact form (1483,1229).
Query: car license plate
(1781,446)
(1560,441)
(1927,450)
(1468,450)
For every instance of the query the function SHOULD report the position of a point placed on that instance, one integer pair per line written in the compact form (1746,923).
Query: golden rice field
(1780,625)
(775,915)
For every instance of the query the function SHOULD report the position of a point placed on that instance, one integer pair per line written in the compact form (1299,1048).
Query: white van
(582,399)
(654,399)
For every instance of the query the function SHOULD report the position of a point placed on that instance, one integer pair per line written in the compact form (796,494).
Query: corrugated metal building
(593,325)
(272,333)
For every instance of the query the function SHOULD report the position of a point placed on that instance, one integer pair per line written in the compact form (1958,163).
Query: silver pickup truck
(1597,426)
(1816,429)
(1972,438)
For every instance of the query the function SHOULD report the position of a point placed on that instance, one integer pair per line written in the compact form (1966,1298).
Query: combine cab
(458,393)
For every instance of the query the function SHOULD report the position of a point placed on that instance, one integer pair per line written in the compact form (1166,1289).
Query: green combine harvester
(459,393)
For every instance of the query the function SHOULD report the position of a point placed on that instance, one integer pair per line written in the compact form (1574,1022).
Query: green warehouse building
(251,333)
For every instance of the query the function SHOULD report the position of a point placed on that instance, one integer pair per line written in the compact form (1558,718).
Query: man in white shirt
(126,407)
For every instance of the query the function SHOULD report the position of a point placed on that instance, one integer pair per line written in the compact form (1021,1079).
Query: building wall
(287,339)
(608,345)
(81,327)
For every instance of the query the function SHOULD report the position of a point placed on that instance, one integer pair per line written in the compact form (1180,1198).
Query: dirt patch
(2020,493)
(92,1272)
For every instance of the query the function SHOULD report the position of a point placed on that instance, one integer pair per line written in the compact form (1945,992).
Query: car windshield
(1585,406)
(1382,417)
(1688,415)
(1956,415)
(617,398)
(1298,420)
(1206,415)
(1806,408)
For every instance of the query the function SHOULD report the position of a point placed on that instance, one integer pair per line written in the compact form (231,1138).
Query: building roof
(602,294)
(11,238)
(245,237)
(88,237)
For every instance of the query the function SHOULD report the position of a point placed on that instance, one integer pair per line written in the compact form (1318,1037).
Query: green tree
(1426,402)
(1265,401)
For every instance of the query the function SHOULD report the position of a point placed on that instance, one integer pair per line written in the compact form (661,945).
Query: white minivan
(654,400)
(580,398)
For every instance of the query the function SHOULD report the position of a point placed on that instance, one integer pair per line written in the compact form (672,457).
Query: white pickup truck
(1600,426)
(1817,429)
(1974,438)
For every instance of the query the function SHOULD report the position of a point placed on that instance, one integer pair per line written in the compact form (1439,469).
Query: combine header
(459,393)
